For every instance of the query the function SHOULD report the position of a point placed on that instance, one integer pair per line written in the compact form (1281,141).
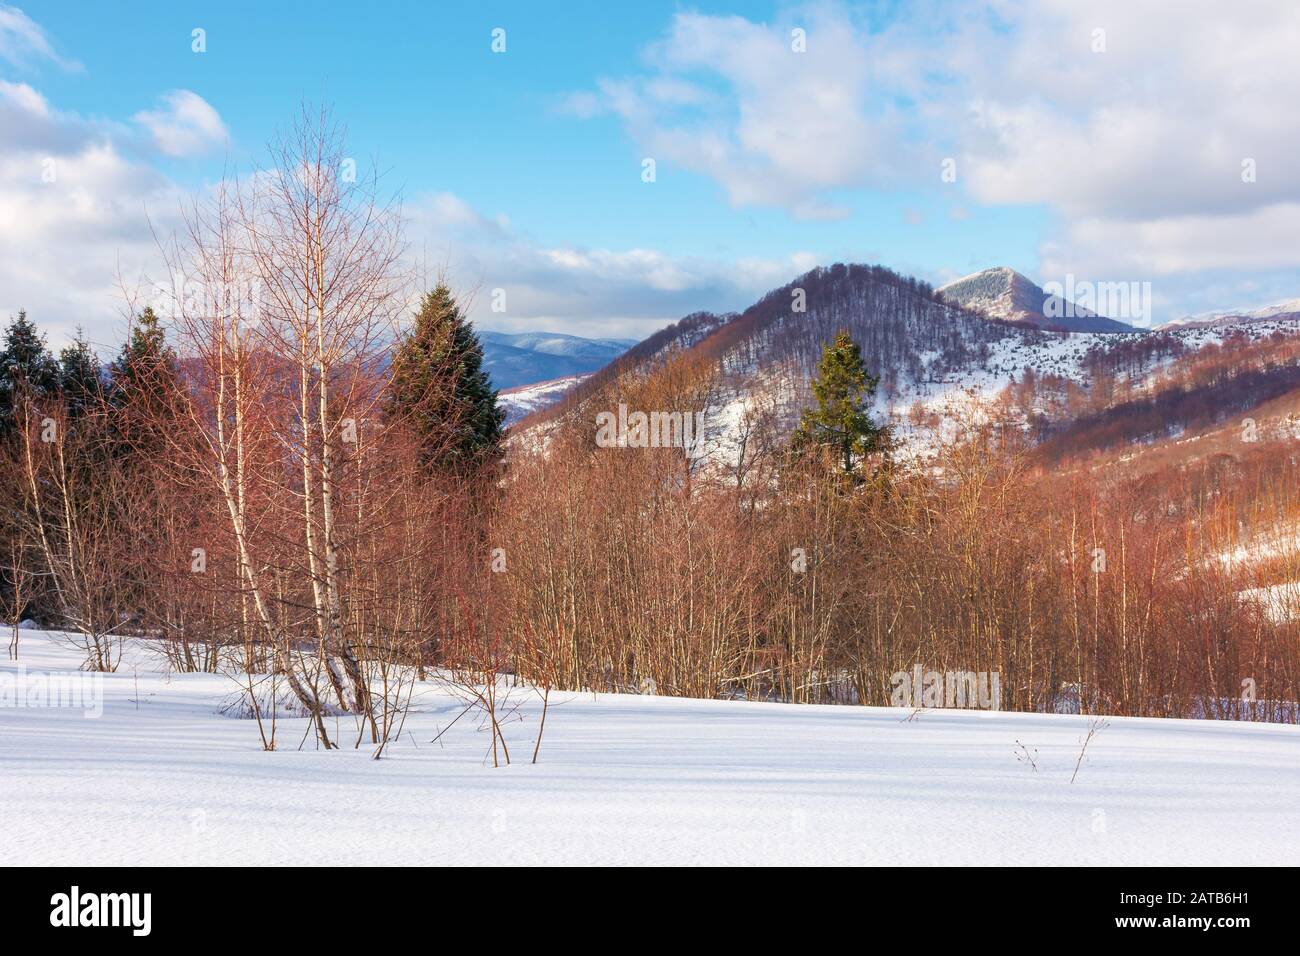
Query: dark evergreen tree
(80,377)
(841,423)
(143,388)
(439,386)
(146,369)
(25,364)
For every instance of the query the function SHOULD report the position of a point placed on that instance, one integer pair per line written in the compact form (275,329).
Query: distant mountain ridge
(513,360)
(1003,293)
(1283,311)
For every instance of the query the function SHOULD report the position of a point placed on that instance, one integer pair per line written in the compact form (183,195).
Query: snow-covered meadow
(164,777)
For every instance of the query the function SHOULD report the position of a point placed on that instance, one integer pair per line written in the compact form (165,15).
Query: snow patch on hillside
(956,395)
(519,402)
(1280,602)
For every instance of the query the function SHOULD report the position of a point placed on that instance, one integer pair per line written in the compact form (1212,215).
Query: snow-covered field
(162,777)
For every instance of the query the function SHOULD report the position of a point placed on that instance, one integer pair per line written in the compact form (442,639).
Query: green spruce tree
(439,386)
(80,379)
(144,388)
(146,368)
(841,423)
(25,365)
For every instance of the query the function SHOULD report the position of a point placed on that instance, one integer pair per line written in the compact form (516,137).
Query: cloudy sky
(1109,141)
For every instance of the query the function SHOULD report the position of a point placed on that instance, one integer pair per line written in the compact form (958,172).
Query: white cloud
(1156,125)
(23,98)
(76,198)
(568,288)
(23,42)
(1136,150)
(184,125)
(446,211)
(1253,239)
(1138,147)
(65,240)
(733,100)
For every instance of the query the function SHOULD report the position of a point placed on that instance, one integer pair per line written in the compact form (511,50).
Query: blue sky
(522,169)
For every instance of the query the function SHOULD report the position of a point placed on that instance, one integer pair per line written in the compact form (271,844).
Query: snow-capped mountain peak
(1003,293)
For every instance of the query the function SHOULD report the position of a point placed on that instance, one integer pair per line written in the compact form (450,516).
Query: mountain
(1289,310)
(526,358)
(1004,293)
(761,361)
(938,362)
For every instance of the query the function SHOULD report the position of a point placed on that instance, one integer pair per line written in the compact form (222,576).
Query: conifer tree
(80,379)
(25,364)
(439,386)
(144,386)
(146,368)
(841,422)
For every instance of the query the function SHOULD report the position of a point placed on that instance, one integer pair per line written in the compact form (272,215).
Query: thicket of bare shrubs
(1103,594)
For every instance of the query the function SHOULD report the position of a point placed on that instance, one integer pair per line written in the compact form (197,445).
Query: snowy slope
(163,778)
(1063,354)
(949,391)
(937,362)
(527,399)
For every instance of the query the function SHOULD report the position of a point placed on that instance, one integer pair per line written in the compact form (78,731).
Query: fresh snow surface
(163,777)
